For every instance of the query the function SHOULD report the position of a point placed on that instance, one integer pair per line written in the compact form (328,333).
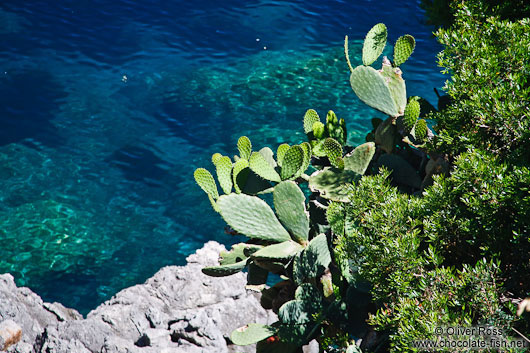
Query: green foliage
(408,232)
(488,61)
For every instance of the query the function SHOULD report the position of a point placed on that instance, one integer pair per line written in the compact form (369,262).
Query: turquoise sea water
(107,107)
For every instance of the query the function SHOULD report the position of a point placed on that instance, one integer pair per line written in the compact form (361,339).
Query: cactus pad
(292,161)
(278,252)
(312,262)
(359,159)
(206,181)
(252,217)
(280,153)
(236,254)
(238,167)
(374,43)
(261,167)
(224,173)
(396,84)
(289,203)
(225,270)
(216,157)
(403,49)
(245,147)
(333,150)
(412,112)
(420,130)
(306,147)
(310,117)
(373,89)
(332,184)
(385,135)
(319,130)
(251,333)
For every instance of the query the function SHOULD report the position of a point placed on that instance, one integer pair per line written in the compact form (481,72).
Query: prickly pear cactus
(240,165)
(259,165)
(206,181)
(310,117)
(420,130)
(333,150)
(251,216)
(251,333)
(403,49)
(319,130)
(289,203)
(412,112)
(374,43)
(333,184)
(359,159)
(280,153)
(374,90)
(245,147)
(224,173)
(292,161)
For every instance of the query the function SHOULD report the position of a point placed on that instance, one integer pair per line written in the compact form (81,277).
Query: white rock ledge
(179,309)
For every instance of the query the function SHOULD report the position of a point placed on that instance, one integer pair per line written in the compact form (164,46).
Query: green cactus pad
(317,148)
(293,312)
(333,150)
(310,295)
(245,147)
(280,153)
(359,159)
(216,157)
(412,112)
(396,84)
(403,49)
(238,167)
(331,118)
(289,203)
(310,117)
(385,135)
(312,262)
(261,167)
(224,270)
(278,252)
(206,181)
(224,173)
(373,89)
(420,130)
(292,161)
(374,43)
(319,130)
(213,203)
(252,217)
(306,147)
(236,254)
(402,172)
(251,333)
(268,154)
(332,184)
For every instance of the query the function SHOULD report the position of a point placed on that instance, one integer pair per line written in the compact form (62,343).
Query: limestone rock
(179,309)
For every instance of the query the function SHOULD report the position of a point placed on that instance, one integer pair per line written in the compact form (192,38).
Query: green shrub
(489,65)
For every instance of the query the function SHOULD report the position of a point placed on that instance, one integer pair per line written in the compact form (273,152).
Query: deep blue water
(107,107)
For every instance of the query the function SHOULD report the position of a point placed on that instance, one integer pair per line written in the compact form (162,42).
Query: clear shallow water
(107,107)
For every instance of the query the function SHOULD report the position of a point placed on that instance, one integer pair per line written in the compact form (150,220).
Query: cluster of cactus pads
(288,235)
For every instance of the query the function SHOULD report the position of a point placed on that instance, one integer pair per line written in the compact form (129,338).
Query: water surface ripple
(107,107)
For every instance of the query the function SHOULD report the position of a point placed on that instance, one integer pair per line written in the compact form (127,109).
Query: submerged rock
(179,309)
